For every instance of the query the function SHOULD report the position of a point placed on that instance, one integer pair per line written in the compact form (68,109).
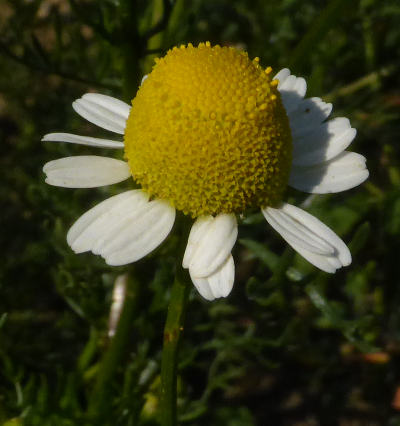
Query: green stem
(155,42)
(131,72)
(172,333)
(99,401)
(130,48)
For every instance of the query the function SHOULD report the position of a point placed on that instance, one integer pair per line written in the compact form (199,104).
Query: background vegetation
(291,345)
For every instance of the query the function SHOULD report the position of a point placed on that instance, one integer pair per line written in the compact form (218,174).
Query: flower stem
(99,400)
(130,48)
(172,333)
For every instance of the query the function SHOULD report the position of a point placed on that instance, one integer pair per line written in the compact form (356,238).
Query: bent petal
(210,242)
(124,228)
(221,281)
(219,284)
(82,140)
(86,171)
(309,237)
(343,172)
(197,232)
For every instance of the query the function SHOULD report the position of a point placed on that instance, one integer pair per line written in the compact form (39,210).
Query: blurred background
(291,345)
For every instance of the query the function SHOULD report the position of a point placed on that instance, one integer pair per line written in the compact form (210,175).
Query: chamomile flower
(212,134)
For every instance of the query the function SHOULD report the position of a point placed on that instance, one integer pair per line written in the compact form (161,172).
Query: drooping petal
(86,171)
(203,287)
(291,229)
(209,248)
(320,229)
(221,281)
(343,172)
(82,140)
(197,232)
(217,285)
(124,228)
(323,143)
(303,225)
(100,115)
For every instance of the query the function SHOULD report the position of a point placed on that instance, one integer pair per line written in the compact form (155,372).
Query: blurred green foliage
(291,345)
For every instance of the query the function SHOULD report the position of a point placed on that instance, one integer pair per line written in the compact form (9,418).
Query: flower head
(212,134)
(208,132)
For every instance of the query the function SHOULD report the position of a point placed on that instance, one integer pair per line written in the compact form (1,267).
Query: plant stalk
(172,333)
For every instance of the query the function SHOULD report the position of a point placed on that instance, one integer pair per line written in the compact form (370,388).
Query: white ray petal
(219,284)
(92,226)
(309,113)
(82,140)
(320,229)
(85,171)
(282,75)
(292,90)
(99,115)
(108,102)
(291,228)
(294,84)
(203,287)
(325,142)
(197,232)
(321,262)
(133,227)
(335,262)
(311,226)
(214,245)
(148,234)
(221,281)
(343,172)
(113,233)
(127,225)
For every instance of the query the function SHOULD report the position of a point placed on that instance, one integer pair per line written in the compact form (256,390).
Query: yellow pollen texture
(208,132)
